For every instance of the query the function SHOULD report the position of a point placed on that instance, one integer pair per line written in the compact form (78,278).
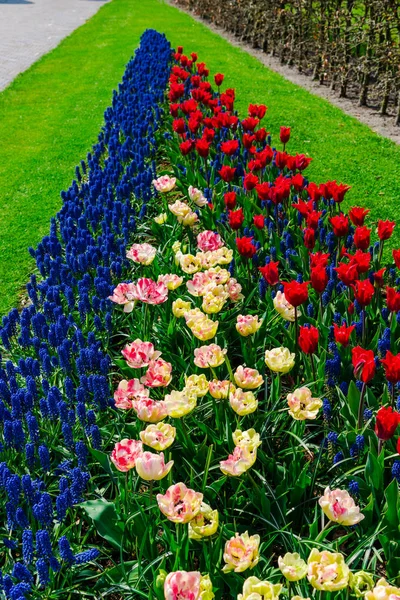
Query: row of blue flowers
(54,373)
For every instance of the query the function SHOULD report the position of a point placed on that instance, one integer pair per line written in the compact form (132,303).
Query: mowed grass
(51,115)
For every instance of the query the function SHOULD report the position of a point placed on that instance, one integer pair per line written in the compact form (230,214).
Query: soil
(383,125)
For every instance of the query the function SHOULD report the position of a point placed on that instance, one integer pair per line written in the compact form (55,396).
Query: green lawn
(51,115)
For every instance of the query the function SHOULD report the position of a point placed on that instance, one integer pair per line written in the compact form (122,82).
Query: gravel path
(30,28)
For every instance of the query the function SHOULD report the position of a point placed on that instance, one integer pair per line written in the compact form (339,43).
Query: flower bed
(248,331)
(264,367)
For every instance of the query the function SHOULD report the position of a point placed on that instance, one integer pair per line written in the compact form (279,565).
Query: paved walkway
(30,28)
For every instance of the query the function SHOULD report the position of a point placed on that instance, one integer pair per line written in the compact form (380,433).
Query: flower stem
(313,367)
(361,406)
(364,325)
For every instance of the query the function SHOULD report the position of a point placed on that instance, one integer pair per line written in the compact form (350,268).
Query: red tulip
(250,124)
(340,225)
(284,135)
(218,78)
(230,200)
(261,135)
(362,238)
(309,238)
(308,339)
(202,70)
(229,147)
(338,190)
(250,181)
(318,259)
(297,181)
(364,292)
(270,272)
(361,260)
(178,125)
(246,247)
(314,191)
(248,140)
(313,218)
(186,147)
(236,218)
(386,424)
(259,221)
(342,334)
(257,110)
(363,363)
(392,299)
(202,147)
(378,277)
(263,190)
(304,208)
(357,215)
(301,162)
(396,258)
(391,364)
(227,173)
(385,229)
(281,159)
(347,273)
(296,293)
(319,278)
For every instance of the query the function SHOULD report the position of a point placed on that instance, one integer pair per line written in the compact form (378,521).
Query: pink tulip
(142,253)
(179,503)
(150,292)
(158,374)
(128,391)
(164,184)
(124,294)
(208,241)
(182,585)
(152,467)
(150,411)
(138,354)
(125,454)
